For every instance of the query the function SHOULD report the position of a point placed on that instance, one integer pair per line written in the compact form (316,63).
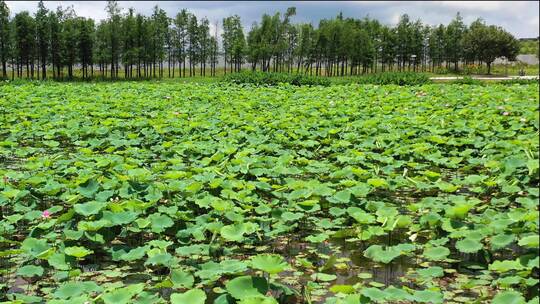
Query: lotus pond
(211,193)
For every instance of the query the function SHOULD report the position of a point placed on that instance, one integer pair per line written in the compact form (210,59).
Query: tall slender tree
(42,34)
(5,41)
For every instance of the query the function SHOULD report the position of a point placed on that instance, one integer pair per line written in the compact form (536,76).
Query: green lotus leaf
(77,251)
(385,255)
(530,241)
(374,294)
(501,240)
(181,279)
(234,232)
(120,296)
(233,266)
(346,289)
(34,247)
(58,261)
(437,253)
(160,222)
(397,294)
(428,296)
(468,245)
(459,211)
(134,254)
(74,289)
(509,297)
(351,299)
(377,182)
(258,300)
(247,286)
(193,296)
(431,272)
(75,300)
(30,271)
(323,277)
(89,188)
(291,217)
(269,263)
(317,238)
(343,196)
(506,265)
(147,298)
(159,259)
(89,208)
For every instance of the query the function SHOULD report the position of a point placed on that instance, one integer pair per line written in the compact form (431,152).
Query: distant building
(524,58)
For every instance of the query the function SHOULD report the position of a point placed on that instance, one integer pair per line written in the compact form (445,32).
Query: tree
(193,43)
(113,10)
(160,25)
(453,40)
(181,37)
(436,45)
(42,33)
(204,40)
(129,50)
(486,43)
(25,42)
(234,42)
(70,39)
(86,30)
(4,36)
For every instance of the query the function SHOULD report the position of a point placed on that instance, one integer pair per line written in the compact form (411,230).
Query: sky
(520,18)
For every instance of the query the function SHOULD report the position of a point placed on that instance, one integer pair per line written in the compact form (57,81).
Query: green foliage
(397,78)
(114,192)
(195,296)
(520,81)
(529,47)
(273,79)
(468,80)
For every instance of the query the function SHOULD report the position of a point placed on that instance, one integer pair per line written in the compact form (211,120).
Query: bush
(467,80)
(268,78)
(520,81)
(397,78)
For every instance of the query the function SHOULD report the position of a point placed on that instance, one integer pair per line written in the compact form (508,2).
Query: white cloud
(474,5)
(518,17)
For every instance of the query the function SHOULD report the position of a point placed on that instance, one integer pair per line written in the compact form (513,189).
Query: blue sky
(521,18)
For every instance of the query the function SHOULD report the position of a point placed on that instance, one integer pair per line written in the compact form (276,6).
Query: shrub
(467,80)
(520,81)
(268,78)
(397,78)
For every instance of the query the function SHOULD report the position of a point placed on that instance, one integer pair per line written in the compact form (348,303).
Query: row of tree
(59,43)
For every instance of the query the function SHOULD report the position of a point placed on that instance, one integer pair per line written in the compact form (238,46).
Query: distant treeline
(131,45)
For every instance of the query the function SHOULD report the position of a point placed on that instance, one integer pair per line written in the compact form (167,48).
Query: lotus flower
(523,119)
(506,113)
(46,214)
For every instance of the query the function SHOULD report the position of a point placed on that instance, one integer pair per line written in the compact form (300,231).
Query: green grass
(497,70)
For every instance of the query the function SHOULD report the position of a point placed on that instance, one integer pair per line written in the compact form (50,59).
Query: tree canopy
(146,46)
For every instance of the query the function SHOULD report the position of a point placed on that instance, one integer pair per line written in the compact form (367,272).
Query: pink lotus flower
(506,113)
(46,214)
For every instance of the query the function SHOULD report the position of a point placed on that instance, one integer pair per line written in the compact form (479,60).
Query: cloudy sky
(518,17)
